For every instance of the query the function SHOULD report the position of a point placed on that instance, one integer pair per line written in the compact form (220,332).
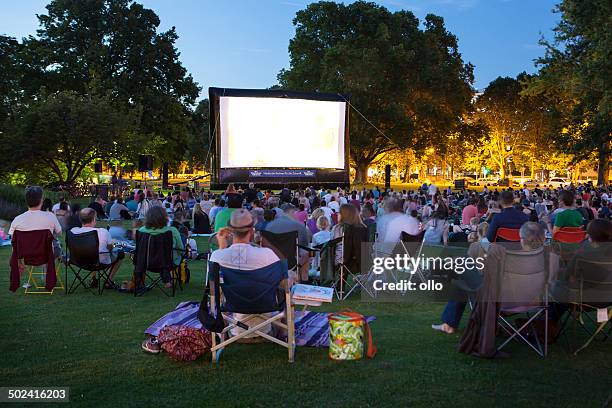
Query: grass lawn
(92,344)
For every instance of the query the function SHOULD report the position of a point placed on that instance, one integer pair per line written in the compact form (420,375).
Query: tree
(517,124)
(66,132)
(410,85)
(575,72)
(198,139)
(113,48)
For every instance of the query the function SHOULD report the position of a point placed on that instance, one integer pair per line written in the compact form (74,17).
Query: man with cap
(285,222)
(241,254)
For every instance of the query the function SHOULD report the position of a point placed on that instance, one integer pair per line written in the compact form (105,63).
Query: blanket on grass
(311,328)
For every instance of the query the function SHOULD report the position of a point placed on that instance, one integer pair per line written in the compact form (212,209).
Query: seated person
(105,246)
(201,222)
(451,316)
(57,205)
(234,201)
(597,248)
(155,223)
(119,211)
(568,216)
(117,231)
(320,238)
(349,252)
(241,254)
(98,204)
(285,222)
(532,238)
(63,214)
(3,235)
(268,216)
(508,217)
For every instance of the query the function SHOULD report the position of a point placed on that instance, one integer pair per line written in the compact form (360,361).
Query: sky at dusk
(243,43)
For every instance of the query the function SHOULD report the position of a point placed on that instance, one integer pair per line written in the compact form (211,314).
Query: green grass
(92,344)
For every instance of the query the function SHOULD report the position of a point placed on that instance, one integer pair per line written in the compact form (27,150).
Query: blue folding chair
(253,293)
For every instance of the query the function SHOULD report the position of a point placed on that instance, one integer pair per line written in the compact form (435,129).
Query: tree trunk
(406,178)
(602,165)
(361,172)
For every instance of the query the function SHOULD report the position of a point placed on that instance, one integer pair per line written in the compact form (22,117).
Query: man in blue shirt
(509,217)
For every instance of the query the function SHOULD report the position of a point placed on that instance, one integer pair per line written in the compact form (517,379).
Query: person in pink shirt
(469,211)
(301,215)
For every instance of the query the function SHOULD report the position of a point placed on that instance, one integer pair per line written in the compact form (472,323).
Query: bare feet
(443,328)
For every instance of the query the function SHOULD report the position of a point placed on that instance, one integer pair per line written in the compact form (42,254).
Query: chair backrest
(569,236)
(33,247)
(595,280)
(572,229)
(251,291)
(153,252)
(507,234)
(372,232)
(284,245)
(524,277)
(83,248)
(406,237)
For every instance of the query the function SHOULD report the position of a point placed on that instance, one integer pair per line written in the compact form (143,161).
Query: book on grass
(312,293)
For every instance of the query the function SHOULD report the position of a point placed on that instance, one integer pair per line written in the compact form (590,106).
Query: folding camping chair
(350,263)
(285,246)
(83,260)
(412,246)
(154,255)
(254,293)
(524,291)
(593,292)
(566,242)
(507,235)
(34,249)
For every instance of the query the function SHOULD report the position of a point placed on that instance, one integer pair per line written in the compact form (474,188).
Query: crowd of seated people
(436,217)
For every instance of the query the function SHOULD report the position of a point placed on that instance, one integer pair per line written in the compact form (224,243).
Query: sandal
(151,345)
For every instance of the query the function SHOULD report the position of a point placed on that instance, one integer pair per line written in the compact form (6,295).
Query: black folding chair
(154,255)
(285,246)
(83,260)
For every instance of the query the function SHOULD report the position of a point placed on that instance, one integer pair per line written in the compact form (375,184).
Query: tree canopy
(410,83)
(104,50)
(575,73)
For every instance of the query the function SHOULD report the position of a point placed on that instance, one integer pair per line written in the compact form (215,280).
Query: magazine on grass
(312,293)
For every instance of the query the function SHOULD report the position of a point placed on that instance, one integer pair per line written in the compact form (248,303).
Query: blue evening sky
(243,43)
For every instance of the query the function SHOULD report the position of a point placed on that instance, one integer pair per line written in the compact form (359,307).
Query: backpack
(184,343)
(182,272)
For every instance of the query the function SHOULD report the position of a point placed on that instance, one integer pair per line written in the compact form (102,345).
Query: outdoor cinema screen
(277,132)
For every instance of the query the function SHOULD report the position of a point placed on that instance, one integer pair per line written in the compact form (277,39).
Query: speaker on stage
(387,177)
(98,167)
(165,175)
(145,162)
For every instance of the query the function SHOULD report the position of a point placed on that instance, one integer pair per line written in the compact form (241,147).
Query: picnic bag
(182,272)
(348,332)
(184,343)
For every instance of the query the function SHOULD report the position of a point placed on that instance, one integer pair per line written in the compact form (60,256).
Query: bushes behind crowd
(12,203)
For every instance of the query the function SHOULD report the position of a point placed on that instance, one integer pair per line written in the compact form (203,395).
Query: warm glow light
(281,132)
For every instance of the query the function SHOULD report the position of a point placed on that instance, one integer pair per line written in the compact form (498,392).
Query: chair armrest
(308,248)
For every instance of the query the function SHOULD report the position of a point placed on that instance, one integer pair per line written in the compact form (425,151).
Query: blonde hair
(482,230)
(322,223)
(317,213)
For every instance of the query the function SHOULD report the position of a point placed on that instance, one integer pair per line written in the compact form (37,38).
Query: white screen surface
(281,132)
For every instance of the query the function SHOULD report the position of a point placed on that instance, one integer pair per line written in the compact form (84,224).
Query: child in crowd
(319,238)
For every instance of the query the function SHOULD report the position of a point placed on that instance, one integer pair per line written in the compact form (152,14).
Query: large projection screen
(281,133)
(278,137)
